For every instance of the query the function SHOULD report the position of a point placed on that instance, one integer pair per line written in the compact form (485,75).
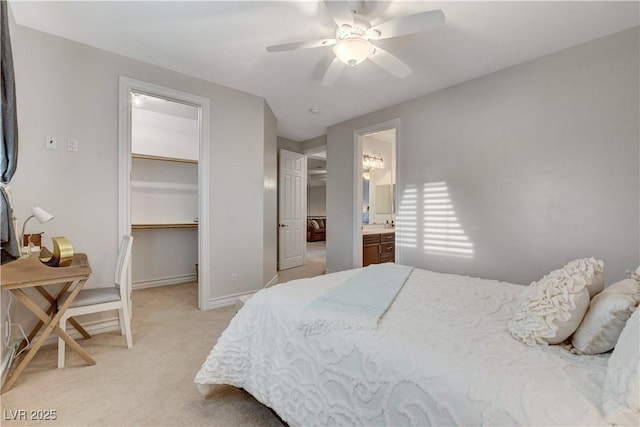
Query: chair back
(124,256)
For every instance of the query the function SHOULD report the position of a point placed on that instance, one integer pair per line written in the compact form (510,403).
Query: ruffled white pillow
(592,269)
(608,312)
(550,310)
(621,397)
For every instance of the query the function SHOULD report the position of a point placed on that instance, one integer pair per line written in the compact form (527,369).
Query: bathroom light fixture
(41,215)
(353,50)
(372,162)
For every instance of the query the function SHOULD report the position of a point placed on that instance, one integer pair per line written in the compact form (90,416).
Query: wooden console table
(31,273)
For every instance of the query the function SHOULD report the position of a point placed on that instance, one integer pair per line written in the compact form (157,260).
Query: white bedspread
(441,355)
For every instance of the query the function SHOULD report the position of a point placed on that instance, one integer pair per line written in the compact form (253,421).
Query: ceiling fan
(354,35)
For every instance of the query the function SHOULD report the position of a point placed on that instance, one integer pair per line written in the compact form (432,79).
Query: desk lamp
(41,215)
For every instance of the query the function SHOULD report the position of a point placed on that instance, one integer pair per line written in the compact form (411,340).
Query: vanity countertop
(378,231)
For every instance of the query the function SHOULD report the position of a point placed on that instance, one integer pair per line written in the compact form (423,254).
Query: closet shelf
(157,226)
(165,159)
(163,186)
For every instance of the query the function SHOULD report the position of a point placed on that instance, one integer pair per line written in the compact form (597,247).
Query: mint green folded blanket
(357,303)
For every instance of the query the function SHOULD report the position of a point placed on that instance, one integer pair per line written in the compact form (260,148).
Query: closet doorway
(164,185)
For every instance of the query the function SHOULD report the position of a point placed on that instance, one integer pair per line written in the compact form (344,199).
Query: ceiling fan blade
(406,25)
(301,45)
(333,72)
(390,63)
(340,12)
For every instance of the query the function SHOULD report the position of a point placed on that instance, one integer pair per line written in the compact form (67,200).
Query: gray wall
(302,146)
(70,90)
(317,142)
(541,161)
(270,197)
(289,145)
(316,200)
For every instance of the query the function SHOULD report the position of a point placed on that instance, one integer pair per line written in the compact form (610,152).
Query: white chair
(101,299)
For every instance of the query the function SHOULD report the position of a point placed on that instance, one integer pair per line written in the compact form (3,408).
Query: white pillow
(608,312)
(592,269)
(551,309)
(621,397)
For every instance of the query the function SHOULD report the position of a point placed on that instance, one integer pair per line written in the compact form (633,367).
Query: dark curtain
(9,146)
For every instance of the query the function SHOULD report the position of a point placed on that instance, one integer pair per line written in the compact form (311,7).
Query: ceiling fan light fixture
(353,50)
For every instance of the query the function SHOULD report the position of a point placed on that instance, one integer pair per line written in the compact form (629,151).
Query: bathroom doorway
(375,181)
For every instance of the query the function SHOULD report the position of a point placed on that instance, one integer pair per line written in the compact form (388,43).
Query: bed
(440,355)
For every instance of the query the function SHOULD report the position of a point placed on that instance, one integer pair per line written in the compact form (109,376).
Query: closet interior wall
(164,191)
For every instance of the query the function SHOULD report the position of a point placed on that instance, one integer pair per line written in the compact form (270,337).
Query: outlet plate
(50,143)
(234,278)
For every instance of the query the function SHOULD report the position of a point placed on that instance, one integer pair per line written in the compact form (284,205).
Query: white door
(292,209)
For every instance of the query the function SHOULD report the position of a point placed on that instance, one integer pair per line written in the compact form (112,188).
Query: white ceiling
(224,42)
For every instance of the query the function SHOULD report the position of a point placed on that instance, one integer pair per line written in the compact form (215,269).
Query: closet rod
(166,159)
(155,226)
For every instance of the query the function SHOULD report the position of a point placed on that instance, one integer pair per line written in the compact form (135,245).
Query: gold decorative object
(62,253)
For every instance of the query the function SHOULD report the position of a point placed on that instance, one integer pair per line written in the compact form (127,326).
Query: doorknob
(282,225)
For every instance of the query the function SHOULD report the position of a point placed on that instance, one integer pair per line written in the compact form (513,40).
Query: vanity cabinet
(378,248)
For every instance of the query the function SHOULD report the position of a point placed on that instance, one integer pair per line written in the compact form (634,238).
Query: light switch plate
(72,145)
(50,143)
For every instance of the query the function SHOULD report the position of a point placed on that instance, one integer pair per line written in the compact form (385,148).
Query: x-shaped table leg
(53,302)
(51,326)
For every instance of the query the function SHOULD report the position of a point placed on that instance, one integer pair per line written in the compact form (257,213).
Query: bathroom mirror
(377,200)
(378,178)
(383,199)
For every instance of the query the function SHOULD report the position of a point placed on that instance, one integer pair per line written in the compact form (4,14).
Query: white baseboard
(226,300)
(242,299)
(142,284)
(272,282)
(222,301)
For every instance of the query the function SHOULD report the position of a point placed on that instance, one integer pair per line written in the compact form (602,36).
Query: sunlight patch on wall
(407,218)
(443,234)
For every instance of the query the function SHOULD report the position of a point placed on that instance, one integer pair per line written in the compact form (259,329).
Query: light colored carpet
(316,252)
(310,269)
(149,384)
(315,265)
